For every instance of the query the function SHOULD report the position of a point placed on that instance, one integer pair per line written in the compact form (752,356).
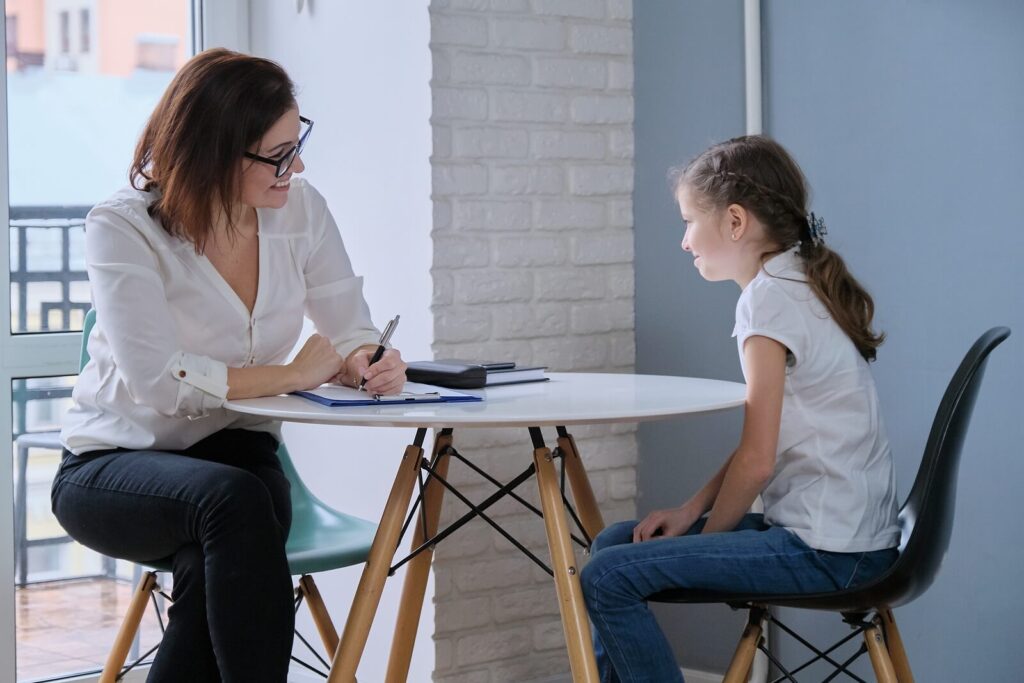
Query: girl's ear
(738,221)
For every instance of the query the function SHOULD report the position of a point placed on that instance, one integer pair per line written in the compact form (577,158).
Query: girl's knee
(616,534)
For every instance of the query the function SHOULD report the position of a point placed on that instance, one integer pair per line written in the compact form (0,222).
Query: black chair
(926,521)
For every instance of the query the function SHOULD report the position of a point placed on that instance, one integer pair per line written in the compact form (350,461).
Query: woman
(200,273)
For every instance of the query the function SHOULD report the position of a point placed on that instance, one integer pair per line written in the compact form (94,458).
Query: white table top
(567,399)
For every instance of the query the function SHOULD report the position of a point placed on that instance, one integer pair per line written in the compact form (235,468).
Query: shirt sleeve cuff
(204,383)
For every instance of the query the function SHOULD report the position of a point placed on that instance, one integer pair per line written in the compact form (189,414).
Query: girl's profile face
(707,237)
(260,188)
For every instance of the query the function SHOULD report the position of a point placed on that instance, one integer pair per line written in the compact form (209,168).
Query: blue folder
(334,395)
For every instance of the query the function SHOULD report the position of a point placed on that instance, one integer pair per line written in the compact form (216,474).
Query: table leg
(375,573)
(582,494)
(563,564)
(415,585)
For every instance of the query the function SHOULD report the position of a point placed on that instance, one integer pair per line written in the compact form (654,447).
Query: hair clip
(816,228)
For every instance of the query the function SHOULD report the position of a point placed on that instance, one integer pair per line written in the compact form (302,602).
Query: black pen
(385,336)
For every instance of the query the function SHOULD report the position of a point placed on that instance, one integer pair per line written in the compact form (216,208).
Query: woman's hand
(386,376)
(665,523)
(317,362)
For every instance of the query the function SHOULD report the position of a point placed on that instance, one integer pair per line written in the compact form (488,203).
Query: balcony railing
(49,293)
(41,284)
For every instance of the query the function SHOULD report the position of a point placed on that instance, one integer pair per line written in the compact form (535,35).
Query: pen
(385,336)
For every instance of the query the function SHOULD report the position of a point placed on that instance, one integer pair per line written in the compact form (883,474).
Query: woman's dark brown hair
(219,104)
(757,173)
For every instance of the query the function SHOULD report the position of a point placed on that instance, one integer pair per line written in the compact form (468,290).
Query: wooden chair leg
(567,579)
(418,570)
(129,626)
(321,617)
(880,661)
(743,658)
(894,643)
(582,493)
(375,572)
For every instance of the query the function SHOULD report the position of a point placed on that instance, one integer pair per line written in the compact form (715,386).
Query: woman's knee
(239,497)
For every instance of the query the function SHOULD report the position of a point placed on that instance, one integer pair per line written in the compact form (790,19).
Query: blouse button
(181,373)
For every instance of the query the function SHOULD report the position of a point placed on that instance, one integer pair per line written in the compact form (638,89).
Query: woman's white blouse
(168,326)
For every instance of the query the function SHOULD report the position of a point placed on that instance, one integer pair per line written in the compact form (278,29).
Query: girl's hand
(665,523)
(386,376)
(317,362)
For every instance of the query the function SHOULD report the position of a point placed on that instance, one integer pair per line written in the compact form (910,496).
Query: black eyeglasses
(284,162)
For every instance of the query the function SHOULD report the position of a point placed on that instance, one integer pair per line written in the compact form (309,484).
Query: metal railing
(25,220)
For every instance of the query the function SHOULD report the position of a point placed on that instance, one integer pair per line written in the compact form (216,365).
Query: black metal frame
(282,163)
(502,491)
(63,218)
(859,623)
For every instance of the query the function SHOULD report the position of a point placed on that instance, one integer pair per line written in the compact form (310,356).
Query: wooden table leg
(582,493)
(375,573)
(416,575)
(563,563)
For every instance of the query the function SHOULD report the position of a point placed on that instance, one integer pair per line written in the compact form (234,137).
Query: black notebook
(460,374)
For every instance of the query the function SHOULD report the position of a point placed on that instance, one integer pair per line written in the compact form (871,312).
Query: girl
(200,273)
(813,444)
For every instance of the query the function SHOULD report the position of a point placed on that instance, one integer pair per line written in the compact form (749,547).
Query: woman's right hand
(665,523)
(317,362)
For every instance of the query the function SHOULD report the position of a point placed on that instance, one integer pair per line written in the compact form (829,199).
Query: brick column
(533,261)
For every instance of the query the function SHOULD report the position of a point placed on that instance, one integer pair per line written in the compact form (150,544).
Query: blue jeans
(754,557)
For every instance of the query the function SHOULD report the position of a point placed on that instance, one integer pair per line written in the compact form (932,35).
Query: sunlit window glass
(82,78)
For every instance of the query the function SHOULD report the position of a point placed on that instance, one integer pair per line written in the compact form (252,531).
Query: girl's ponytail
(847,301)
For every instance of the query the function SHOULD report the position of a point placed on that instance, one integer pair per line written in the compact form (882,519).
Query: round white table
(567,399)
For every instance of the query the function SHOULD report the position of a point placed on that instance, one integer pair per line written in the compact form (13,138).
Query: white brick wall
(533,261)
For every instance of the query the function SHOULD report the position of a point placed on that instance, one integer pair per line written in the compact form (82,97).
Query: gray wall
(689,93)
(906,117)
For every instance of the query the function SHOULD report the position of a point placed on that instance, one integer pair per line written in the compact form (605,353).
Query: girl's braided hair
(757,173)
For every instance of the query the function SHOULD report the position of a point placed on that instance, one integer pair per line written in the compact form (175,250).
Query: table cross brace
(475,510)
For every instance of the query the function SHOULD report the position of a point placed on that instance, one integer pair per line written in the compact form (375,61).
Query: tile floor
(68,626)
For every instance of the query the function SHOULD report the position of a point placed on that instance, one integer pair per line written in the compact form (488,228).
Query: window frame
(215,23)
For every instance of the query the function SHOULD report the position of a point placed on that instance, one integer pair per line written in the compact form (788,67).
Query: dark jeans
(220,512)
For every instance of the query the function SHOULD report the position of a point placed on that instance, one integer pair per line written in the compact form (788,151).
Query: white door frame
(222,23)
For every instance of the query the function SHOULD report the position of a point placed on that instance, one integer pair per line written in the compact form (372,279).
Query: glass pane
(69,600)
(67,62)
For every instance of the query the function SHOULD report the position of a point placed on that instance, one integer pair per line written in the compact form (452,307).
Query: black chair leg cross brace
(926,522)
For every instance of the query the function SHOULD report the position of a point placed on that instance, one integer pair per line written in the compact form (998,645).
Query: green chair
(321,539)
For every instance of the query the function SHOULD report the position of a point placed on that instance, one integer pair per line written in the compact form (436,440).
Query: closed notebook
(460,374)
(334,395)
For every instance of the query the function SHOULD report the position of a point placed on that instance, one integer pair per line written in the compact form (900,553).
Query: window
(65,32)
(84,42)
(76,98)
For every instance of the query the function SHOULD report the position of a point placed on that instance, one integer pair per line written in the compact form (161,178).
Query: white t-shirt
(834,484)
(168,326)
